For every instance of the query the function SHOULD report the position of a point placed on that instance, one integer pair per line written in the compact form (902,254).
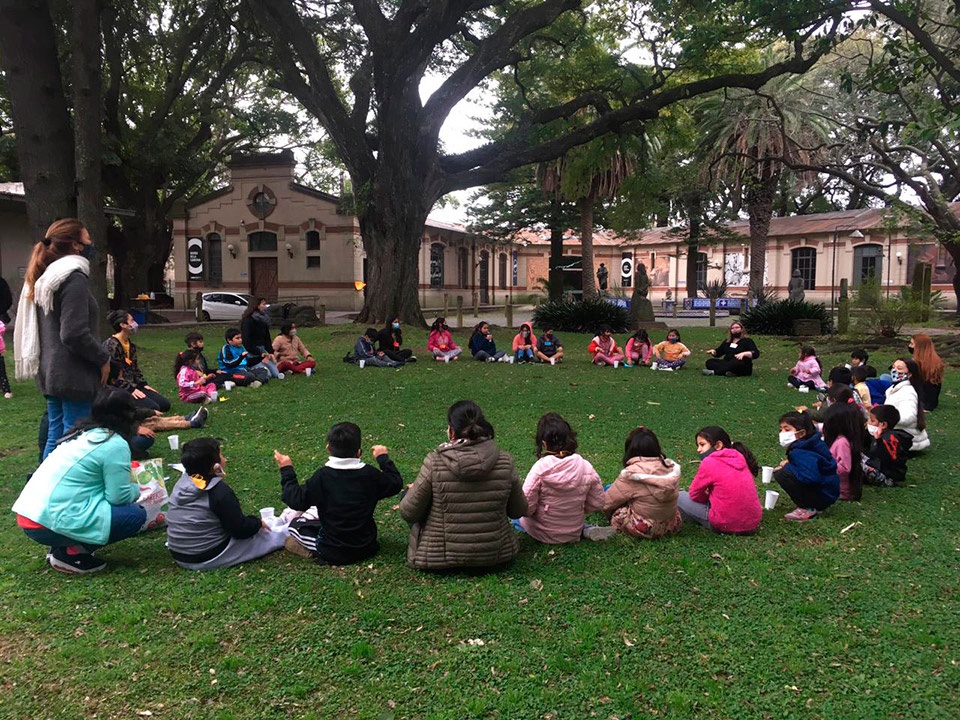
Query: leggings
(4,381)
(153,400)
(740,368)
(792,379)
(601,359)
(296,367)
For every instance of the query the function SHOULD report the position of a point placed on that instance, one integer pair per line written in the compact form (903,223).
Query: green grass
(795,622)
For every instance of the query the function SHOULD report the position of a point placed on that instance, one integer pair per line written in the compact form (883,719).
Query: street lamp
(856,234)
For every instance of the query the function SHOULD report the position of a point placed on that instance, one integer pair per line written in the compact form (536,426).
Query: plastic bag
(153,491)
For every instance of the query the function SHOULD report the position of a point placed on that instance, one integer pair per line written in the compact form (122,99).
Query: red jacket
(725,481)
(598,343)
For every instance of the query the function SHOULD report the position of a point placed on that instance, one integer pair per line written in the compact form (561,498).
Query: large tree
(388,136)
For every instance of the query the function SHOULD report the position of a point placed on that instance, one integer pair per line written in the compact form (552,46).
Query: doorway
(867,263)
(484,278)
(263,277)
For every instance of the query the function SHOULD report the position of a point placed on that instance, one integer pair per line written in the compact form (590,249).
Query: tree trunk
(693,249)
(88,116)
(760,209)
(586,206)
(556,262)
(28,55)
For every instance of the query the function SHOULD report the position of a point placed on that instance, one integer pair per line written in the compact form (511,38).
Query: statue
(795,287)
(642,280)
(641,309)
(602,275)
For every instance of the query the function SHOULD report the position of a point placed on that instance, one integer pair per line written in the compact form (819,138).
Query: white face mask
(787,438)
(873,430)
(293,333)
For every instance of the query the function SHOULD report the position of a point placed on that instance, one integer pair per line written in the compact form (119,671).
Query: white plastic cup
(804,389)
(446,358)
(309,372)
(653,365)
(174,441)
(229,385)
(267,514)
(511,360)
(766,474)
(363,364)
(553,361)
(770,499)
(616,364)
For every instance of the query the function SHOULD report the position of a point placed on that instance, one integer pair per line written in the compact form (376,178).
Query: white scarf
(26,333)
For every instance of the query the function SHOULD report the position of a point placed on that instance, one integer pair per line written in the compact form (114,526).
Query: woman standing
(255,329)
(55,338)
(459,504)
(734,356)
(931,370)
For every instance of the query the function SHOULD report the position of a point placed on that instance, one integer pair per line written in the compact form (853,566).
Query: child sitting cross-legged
(194,385)
(345,492)
(670,354)
(206,527)
(364,350)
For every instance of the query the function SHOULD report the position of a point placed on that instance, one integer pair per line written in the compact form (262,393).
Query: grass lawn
(799,621)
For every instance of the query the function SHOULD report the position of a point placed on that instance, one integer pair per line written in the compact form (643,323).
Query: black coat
(256,334)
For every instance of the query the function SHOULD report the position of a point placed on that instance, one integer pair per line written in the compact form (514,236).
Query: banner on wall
(195,258)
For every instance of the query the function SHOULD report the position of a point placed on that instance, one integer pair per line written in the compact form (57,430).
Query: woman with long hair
(904,395)
(255,329)
(735,355)
(55,337)
(931,370)
(81,497)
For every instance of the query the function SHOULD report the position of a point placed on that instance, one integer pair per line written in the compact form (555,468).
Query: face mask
(445,327)
(911,349)
(526,333)
(787,438)
(704,455)
(673,340)
(88,252)
(873,430)
(897,376)
(293,333)
(132,328)
(735,335)
(396,326)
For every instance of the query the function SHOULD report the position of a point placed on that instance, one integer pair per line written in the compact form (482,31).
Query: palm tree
(750,139)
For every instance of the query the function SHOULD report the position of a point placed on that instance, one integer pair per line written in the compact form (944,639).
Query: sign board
(626,267)
(724,303)
(619,302)
(195,258)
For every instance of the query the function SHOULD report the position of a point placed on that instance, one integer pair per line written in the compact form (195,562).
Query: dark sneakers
(61,560)
(198,418)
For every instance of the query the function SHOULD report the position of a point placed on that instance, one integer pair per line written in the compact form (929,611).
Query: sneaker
(199,418)
(705,371)
(74,560)
(801,515)
(667,369)
(599,533)
(729,374)
(491,359)
(292,546)
(412,358)
(280,376)
(653,365)
(255,384)
(627,365)
(7,395)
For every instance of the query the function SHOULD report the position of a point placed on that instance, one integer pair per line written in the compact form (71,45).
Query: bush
(581,315)
(776,318)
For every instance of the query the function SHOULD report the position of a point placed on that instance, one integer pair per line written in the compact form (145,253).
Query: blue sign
(619,302)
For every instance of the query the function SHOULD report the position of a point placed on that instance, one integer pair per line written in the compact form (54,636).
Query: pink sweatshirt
(842,454)
(725,481)
(3,344)
(441,340)
(519,341)
(560,492)
(808,369)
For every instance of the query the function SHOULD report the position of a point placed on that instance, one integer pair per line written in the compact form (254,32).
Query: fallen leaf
(851,526)
(536,584)
(651,402)
(591,416)
(627,641)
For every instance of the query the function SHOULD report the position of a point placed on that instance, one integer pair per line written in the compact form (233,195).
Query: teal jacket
(72,491)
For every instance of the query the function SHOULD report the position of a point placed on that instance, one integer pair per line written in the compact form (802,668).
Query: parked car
(224,305)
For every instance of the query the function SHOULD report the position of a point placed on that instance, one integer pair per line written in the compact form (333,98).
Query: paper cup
(229,385)
(511,360)
(309,372)
(766,474)
(174,441)
(804,389)
(770,499)
(616,364)
(267,514)
(553,361)
(362,364)
(446,358)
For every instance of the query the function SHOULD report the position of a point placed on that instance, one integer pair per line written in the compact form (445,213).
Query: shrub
(776,318)
(581,315)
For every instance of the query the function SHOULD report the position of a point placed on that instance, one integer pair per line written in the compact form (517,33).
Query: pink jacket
(560,491)
(440,340)
(638,351)
(518,341)
(3,343)
(844,457)
(189,380)
(808,369)
(725,481)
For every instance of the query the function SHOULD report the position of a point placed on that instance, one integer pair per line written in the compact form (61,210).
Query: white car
(225,305)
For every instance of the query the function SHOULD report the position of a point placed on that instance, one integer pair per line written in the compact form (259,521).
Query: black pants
(401,356)
(792,379)
(4,381)
(740,368)
(153,400)
(803,496)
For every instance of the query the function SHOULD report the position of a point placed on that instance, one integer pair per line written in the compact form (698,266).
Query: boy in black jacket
(194,341)
(345,492)
(886,461)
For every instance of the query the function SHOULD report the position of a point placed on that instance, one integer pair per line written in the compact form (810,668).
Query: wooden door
(263,278)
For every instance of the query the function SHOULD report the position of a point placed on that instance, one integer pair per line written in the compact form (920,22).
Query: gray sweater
(70,353)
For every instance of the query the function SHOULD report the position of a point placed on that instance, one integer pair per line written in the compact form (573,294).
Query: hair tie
(850,401)
(46,242)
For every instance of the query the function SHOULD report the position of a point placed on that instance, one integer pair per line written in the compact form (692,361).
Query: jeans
(125,522)
(692,510)
(483,355)
(270,367)
(63,414)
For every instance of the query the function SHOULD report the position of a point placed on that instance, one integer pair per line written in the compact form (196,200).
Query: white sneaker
(653,365)
(280,376)
(667,369)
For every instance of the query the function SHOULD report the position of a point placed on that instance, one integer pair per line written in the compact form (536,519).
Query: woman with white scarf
(55,337)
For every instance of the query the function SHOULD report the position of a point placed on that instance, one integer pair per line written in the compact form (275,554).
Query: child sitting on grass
(858,377)
(232,360)
(843,433)
(345,492)
(639,349)
(549,347)
(440,342)
(561,487)
(806,373)
(603,348)
(723,495)
(809,474)
(885,462)
(194,386)
(525,345)
(364,350)
(194,341)
(206,527)
(670,354)
(642,501)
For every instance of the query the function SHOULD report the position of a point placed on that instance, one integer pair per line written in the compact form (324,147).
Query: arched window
(436,266)
(214,260)
(503,271)
(313,239)
(867,263)
(262,241)
(805,260)
(463,265)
